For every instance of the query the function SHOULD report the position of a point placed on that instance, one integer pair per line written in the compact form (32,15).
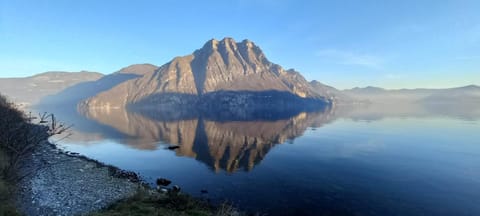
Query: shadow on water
(227,106)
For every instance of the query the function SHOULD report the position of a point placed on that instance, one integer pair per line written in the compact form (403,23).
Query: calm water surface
(359,162)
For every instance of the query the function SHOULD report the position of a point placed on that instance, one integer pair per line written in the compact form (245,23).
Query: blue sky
(386,43)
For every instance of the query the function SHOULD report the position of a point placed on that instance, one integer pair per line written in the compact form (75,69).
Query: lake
(374,160)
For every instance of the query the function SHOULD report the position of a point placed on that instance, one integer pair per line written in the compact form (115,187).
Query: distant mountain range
(220,75)
(466,94)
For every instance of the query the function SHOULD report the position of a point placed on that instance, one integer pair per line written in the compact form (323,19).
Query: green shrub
(144,203)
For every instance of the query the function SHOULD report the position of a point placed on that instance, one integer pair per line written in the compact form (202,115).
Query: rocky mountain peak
(220,65)
(245,50)
(210,45)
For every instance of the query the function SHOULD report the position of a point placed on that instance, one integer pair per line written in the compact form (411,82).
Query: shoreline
(39,178)
(56,182)
(59,182)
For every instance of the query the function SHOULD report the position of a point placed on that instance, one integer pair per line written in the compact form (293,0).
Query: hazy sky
(392,44)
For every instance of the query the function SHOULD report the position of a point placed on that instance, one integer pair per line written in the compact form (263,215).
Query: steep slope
(30,90)
(219,66)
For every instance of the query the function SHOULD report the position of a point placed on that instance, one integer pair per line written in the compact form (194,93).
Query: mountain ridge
(469,86)
(462,94)
(219,66)
(219,69)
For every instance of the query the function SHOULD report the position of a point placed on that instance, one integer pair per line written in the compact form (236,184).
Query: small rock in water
(133,177)
(163,190)
(163,182)
(176,189)
(173,147)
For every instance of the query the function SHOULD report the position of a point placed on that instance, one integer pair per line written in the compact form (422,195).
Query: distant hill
(331,93)
(84,90)
(464,94)
(30,90)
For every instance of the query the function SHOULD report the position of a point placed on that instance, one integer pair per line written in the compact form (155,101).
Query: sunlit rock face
(218,66)
(221,143)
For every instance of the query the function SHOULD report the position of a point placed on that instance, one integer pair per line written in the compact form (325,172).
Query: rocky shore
(61,183)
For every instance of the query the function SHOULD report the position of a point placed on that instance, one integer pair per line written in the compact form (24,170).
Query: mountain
(222,73)
(30,90)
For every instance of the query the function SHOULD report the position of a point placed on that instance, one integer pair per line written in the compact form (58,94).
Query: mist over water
(376,160)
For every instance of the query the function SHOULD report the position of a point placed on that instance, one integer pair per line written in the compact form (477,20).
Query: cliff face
(218,66)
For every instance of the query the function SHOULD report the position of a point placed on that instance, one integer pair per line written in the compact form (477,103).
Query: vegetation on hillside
(18,138)
(11,119)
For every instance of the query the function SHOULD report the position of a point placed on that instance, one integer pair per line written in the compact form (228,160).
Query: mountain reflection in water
(399,159)
(220,143)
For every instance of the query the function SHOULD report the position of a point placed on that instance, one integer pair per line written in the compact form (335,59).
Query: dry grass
(226,209)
